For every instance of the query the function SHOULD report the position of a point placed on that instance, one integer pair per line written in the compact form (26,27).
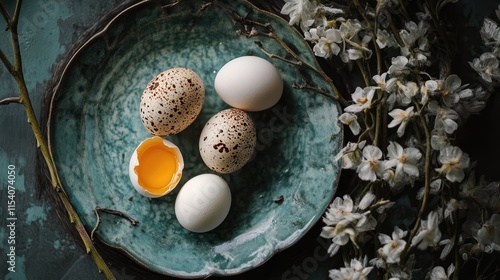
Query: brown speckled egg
(227,141)
(171,101)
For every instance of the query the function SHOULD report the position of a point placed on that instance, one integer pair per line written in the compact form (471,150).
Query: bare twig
(5,13)
(98,209)
(307,86)
(7,63)
(8,100)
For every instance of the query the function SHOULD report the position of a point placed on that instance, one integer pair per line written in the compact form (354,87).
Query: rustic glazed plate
(94,127)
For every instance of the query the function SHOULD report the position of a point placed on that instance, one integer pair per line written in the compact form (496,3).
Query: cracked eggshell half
(227,141)
(155,167)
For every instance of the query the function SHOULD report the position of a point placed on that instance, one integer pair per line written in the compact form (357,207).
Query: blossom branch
(372,34)
(427,184)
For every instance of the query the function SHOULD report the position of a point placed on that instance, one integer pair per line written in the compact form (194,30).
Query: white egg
(171,101)
(203,203)
(227,141)
(155,167)
(249,83)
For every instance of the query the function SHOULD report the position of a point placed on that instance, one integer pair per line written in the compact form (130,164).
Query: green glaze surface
(95,127)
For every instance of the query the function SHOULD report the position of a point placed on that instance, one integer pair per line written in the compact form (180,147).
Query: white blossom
(446,118)
(438,273)
(352,121)
(474,104)
(453,90)
(451,206)
(398,66)
(489,234)
(384,85)
(314,34)
(340,209)
(385,39)
(350,155)
(413,32)
(428,89)
(356,269)
(340,235)
(405,160)
(429,233)
(393,247)
(362,98)
(328,44)
(371,164)
(448,245)
(404,94)
(435,186)
(439,139)
(490,33)
(401,118)
(453,161)
(344,221)
(366,201)
(487,67)
(300,11)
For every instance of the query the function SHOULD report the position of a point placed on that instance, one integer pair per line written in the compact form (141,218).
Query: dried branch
(4,12)
(98,209)
(16,70)
(8,100)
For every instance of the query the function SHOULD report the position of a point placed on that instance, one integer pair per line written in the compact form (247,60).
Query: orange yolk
(157,166)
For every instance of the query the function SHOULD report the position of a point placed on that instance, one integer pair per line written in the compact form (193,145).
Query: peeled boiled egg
(155,167)
(171,101)
(249,83)
(227,141)
(203,203)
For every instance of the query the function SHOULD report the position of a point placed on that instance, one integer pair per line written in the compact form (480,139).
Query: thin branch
(8,100)
(427,184)
(98,209)
(321,91)
(6,62)
(17,10)
(4,12)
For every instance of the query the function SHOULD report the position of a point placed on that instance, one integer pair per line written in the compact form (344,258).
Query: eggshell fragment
(227,141)
(171,101)
(203,203)
(155,167)
(249,83)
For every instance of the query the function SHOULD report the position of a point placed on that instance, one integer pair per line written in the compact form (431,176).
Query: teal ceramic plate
(94,127)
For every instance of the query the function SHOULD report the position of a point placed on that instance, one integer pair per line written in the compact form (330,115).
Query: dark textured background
(46,250)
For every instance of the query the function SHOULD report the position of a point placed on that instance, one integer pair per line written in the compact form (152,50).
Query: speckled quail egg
(171,101)
(227,141)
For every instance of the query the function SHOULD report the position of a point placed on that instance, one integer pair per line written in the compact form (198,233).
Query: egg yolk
(157,166)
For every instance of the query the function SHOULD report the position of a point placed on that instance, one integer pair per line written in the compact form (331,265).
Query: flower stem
(427,184)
